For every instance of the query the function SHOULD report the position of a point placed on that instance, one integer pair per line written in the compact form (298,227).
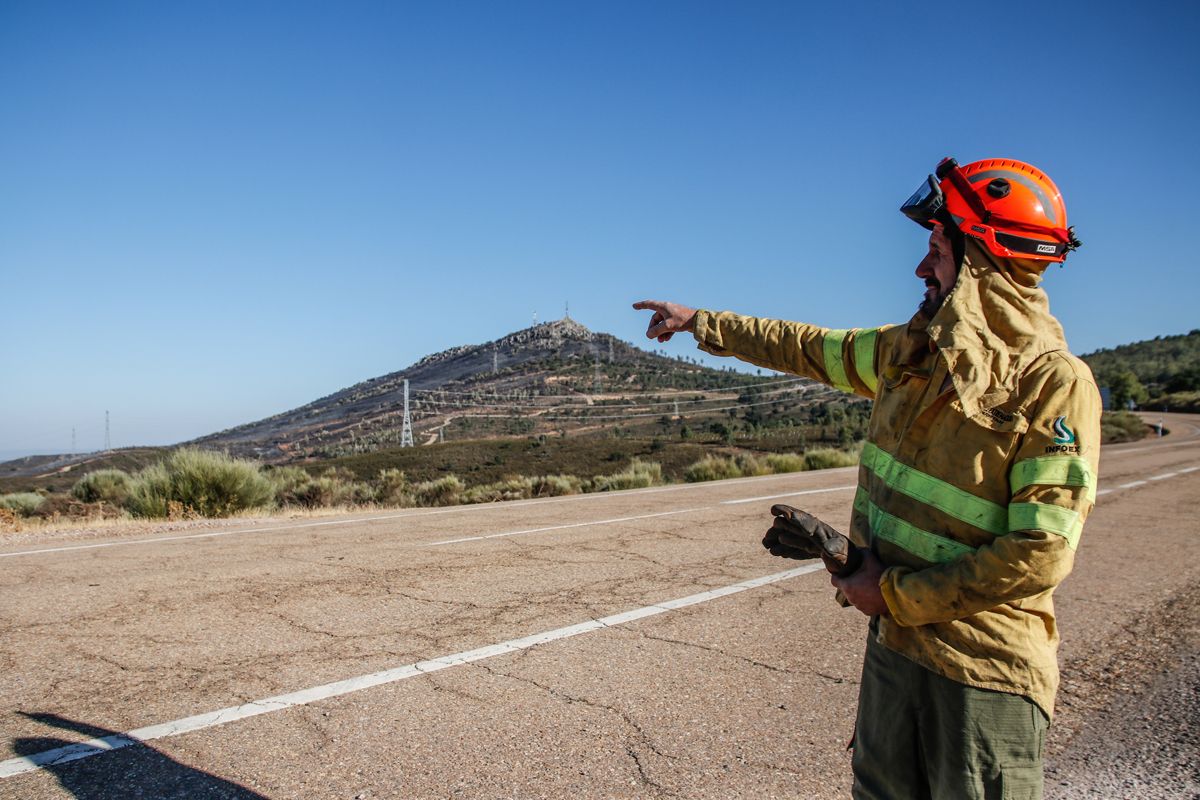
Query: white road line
(74,752)
(787,494)
(569,525)
(405,515)
(208,535)
(1190,442)
(1162,477)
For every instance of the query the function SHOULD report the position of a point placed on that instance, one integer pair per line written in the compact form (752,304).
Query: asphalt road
(634,644)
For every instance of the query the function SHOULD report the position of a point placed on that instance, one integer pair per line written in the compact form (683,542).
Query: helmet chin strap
(958,240)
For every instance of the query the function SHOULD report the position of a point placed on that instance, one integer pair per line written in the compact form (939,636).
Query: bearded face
(938,270)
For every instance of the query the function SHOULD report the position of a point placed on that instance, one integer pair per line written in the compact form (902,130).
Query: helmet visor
(925,203)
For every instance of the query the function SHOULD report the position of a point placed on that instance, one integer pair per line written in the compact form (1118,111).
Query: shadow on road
(135,771)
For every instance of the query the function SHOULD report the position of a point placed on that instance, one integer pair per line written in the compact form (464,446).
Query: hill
(556,378)
(1164,370)
(552,398)
(58,473)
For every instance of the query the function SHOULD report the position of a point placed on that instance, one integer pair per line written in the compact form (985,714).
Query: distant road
(633,644)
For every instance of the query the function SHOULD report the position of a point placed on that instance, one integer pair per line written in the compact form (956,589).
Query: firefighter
(977,473)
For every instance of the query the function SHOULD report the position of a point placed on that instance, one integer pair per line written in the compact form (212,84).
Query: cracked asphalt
(748,695)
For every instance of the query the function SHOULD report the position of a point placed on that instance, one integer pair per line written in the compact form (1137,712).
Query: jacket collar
(993,325)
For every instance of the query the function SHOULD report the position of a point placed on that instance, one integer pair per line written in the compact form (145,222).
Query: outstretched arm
(844,359)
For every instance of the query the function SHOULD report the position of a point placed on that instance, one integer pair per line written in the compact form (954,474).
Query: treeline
(1159,372)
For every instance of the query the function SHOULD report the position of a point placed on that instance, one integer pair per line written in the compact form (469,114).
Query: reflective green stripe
(945,497)
(1064,522)
(835,365)
(1053,471)
(922,544)
(864,357)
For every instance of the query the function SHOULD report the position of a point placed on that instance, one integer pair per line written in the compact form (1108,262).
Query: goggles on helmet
(925,203)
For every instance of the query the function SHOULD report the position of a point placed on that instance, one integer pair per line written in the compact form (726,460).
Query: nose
(925,268)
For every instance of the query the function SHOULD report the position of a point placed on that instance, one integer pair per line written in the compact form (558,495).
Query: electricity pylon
(406,437)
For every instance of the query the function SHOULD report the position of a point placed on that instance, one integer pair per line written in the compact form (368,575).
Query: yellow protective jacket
(978,470)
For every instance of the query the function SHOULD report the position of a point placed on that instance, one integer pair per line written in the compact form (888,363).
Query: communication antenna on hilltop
(107,437)
(567,310)
(406,439)
(535,319)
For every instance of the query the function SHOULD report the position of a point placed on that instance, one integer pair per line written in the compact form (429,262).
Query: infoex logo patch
(1063,434)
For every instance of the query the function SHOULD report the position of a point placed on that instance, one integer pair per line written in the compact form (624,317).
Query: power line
(588,417)
(591,418)
(533,405)
(648,394)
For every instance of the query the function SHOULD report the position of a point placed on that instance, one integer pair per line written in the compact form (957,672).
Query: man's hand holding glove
(798,534)
(855,570)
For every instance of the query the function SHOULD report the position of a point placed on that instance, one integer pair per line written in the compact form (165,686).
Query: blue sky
(213,212)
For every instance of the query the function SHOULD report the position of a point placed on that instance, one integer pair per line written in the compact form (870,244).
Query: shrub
(828,458)
(514,488)
(785,462)
(293,486)
(638,475)
(23,504)
(1121,426)
(151,492)
(712,468)
(286,481)
(111,486)
(199,482)
(331,490)
(749,465)
(58,506)
(393,489)
(1188,402)
(445,491)
(556,485)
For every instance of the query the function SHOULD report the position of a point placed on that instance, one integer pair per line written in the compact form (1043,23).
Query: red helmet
(1010,206)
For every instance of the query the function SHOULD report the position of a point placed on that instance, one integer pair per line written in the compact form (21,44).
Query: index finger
(650,305)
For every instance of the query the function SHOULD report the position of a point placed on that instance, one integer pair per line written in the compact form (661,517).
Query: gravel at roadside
(1129,724)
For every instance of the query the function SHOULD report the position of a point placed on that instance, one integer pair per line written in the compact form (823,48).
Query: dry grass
(36,529)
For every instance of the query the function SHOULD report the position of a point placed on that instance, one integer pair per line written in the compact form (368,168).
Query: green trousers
(920,735)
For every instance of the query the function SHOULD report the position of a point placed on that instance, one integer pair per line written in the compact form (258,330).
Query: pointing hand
(668,319)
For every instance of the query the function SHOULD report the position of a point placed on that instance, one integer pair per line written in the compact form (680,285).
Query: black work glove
(798,534)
